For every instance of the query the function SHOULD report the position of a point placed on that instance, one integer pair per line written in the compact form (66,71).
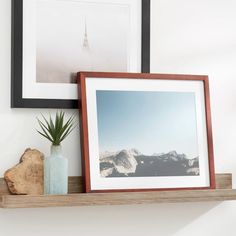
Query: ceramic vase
(56,172)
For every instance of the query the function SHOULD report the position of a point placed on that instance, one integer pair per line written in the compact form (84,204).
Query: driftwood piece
(27,176)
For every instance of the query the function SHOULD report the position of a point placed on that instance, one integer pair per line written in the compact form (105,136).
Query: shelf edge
(98,199)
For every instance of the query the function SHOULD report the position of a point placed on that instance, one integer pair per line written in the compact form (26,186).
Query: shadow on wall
(138,220)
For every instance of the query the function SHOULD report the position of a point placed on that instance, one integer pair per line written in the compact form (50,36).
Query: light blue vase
(56,172)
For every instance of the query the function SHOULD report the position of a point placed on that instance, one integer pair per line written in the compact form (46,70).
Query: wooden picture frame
(25,70)
(172,116)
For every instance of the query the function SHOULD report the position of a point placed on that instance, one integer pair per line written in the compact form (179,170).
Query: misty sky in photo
(61,27)
(152,122)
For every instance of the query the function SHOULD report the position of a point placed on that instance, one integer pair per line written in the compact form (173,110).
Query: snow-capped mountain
(106,154)
(134,163)
(133,152)
(122,162)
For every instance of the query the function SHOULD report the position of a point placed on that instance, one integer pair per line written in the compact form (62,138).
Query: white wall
(188,36)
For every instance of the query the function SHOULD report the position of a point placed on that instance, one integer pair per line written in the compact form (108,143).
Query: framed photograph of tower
(53,39)
(146,132)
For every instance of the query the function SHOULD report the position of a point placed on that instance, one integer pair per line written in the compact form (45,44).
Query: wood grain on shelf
(3,187)
(224,181)
(75,184)
(222,192)
(91,199)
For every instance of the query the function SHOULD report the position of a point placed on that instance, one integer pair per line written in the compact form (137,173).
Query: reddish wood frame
(84,124)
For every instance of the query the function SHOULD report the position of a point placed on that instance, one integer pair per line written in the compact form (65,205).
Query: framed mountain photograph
(53,39)
(146,132)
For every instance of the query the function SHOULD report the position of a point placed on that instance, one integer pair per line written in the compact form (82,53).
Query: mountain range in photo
(132,163)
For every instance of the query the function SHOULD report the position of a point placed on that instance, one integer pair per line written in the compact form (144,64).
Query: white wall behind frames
(188,36)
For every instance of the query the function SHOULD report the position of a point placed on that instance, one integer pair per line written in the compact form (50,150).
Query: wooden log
(27,176)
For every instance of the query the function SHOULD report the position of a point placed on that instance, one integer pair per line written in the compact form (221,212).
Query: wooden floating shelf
(222,192)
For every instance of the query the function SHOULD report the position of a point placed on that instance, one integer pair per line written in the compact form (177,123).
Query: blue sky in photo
(152,122)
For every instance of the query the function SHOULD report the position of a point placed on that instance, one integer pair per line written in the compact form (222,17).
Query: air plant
(56,131)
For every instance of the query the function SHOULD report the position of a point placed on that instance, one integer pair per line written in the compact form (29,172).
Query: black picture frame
(17,100)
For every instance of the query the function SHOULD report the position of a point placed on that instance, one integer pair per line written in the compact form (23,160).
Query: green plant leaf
(56,131)
(45,136)
(67,132)
(44,129)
